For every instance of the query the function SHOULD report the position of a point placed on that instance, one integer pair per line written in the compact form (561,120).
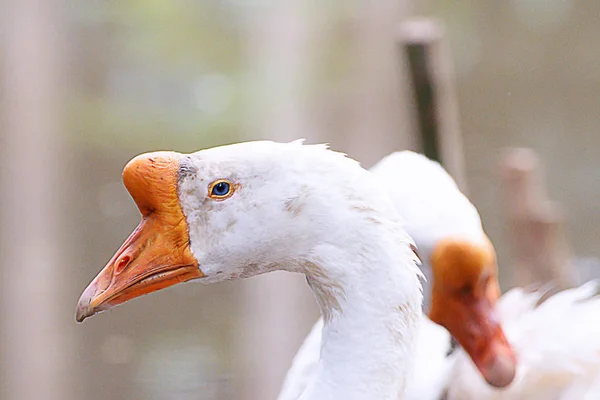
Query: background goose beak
(473,323)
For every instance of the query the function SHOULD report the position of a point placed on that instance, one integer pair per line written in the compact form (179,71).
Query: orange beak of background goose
(157,254)
(464,296)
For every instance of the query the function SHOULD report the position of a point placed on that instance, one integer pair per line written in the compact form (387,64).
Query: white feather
(557,344)
(432,367)
(427,198)
(427,380)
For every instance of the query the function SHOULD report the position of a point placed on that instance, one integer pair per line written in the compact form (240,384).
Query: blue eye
(220,189)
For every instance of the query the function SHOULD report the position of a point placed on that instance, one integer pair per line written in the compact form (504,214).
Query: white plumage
(427,380)
(427,198)
(557,343)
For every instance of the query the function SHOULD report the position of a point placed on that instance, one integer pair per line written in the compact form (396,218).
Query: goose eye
(220,189)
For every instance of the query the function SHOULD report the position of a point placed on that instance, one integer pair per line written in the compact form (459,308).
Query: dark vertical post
(434,94)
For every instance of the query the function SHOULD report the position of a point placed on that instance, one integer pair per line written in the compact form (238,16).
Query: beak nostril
(122,264)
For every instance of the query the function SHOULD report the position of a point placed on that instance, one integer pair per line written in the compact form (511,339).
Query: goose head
(464,295)
(229,212)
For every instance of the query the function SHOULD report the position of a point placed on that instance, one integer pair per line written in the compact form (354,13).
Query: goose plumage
(240,210)
(557,344)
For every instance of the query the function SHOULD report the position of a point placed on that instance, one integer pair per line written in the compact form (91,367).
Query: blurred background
(87,85)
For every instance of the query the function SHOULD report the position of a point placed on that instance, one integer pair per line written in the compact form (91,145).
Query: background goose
(557,344)
(237,211)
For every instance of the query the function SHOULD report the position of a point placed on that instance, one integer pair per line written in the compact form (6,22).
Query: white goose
(557,344)
(241,210)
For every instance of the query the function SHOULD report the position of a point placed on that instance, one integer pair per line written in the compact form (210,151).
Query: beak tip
(502,371)
(84,307)
(79,317)
(83,310)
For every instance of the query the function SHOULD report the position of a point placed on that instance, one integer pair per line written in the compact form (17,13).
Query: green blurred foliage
(165,74)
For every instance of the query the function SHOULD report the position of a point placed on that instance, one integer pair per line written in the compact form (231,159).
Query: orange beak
(157,254)
(464,296)
(470,317)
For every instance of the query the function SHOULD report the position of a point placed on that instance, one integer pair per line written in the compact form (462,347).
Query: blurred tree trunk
(33,337)
(278,308)
(380,118)
(536,225)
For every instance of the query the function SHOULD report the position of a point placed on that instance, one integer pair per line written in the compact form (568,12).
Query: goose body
(241,210)
(557,344)
(427,381)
